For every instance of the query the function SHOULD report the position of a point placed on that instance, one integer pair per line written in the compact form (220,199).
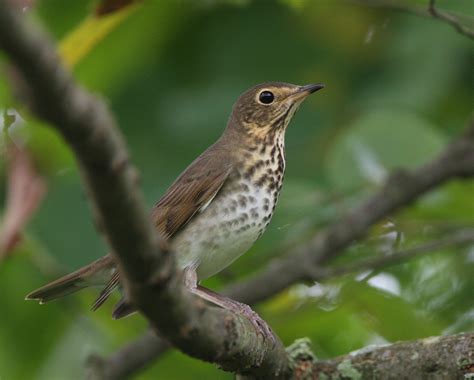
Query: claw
(257,322)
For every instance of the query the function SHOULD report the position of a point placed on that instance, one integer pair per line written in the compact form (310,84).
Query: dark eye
(266,97)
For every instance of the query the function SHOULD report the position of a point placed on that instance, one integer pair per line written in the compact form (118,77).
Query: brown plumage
(219,205)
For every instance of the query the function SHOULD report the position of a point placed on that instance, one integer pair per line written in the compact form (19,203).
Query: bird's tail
(123,309)
(99,272)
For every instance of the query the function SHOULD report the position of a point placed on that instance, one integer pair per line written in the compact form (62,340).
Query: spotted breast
(239,213)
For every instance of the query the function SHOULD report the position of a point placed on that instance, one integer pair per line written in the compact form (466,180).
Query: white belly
(226,229)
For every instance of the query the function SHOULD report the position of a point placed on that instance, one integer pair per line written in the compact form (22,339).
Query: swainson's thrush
(219,206)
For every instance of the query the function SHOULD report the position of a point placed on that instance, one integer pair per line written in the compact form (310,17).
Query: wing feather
(190,193)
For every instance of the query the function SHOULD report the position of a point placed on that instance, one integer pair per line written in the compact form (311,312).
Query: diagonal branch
(457,239)
(151,282)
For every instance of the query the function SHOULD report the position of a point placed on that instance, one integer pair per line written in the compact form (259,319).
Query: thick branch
(205,332)
(448,357)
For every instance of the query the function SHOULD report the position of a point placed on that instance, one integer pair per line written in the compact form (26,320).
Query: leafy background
(399,87)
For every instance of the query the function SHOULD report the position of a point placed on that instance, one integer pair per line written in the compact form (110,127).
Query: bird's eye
(266,97)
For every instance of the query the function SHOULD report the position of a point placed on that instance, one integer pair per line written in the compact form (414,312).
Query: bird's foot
(257,322)
(236,307)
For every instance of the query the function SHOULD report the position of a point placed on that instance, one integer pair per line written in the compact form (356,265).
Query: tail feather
(57,289)
(107,291)
(95,273)
(123,309)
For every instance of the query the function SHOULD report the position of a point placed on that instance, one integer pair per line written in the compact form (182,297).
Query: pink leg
(227,303)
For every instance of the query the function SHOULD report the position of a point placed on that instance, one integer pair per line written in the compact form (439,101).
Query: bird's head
(269,107)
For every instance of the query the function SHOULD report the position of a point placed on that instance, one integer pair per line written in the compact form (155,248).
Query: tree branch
(431,12)
(150,280)
(448,357)
(450,19)
(457,239)
(131,358)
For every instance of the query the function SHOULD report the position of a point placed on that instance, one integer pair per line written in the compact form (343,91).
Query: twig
(431,12)
(450,19)
(150,280)
(134,356)
(457,239)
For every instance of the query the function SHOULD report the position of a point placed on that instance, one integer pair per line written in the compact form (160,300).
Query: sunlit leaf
(79,42)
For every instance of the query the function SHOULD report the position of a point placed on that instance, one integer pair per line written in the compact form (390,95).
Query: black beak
(310,88)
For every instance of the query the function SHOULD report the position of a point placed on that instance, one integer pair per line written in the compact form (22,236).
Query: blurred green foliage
(399,87)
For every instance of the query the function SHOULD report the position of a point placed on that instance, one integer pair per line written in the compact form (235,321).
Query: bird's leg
(238,308)
(190,280)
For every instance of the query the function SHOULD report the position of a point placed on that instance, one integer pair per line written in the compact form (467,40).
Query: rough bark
(435,358)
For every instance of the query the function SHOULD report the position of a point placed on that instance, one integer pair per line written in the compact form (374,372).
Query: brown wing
(194,189)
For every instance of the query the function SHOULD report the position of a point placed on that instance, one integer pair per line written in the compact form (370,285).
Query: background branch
(450,19)
(401,189)
(457,239)
(428,12)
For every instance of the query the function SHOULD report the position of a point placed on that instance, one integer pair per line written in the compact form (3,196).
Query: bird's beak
(303,91)
(310,88)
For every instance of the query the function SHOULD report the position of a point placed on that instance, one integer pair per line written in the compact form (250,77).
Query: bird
(218,207)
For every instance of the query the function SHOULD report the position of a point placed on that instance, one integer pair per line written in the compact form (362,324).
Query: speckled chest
(238,215)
